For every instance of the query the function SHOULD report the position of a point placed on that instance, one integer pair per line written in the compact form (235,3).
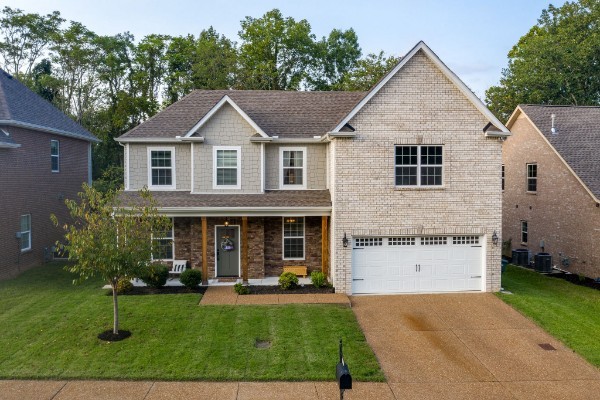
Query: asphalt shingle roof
(577,138)
(278,113)
(275,198)
(19,104)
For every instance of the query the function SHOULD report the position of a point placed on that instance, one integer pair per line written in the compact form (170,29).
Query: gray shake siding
(419,105)
(316,160)
(138,164)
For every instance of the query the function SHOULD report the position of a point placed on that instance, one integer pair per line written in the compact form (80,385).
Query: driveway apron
(461,346)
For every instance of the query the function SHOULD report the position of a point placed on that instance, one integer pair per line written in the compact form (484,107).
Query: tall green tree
(336,57)
(110,239)
(556,62)
(25,38)
(368,71)
(275,53)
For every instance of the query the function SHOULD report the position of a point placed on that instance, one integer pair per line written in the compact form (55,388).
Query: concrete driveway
(469,346)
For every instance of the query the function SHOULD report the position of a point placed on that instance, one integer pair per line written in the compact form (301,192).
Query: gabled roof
(287,114)
(576,139)
(421,46)
(21,107)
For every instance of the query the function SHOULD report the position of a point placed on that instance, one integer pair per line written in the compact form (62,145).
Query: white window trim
(528,177)
(239,167)
(419,165)
(22,232)
(173,184)
(55,155)
(152,238)
(293,237)
(304,168)
(503,177)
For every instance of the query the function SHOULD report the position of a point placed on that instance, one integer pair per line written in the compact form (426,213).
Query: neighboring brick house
(552,185)
(392,190)
(44,158)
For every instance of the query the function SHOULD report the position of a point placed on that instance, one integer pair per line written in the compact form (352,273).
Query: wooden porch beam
(245,249)
(204,251)
(324,246)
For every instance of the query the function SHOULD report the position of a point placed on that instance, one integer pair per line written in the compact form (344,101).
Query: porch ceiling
(273,202)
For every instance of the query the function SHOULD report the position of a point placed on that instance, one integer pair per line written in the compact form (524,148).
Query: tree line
(110,84)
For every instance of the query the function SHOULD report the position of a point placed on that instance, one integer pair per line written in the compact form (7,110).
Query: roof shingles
(577,138)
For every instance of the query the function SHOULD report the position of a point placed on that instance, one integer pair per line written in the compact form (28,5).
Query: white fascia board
(217,107)
(514,116)
(40,128)
(297,141)
(254,139)
(148,140)
(243,211)
(445,70)
(198,139)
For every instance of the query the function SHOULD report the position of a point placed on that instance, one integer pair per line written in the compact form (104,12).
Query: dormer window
(293,167)
(161,168)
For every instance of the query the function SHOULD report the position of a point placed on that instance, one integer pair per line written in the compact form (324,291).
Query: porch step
(226,279)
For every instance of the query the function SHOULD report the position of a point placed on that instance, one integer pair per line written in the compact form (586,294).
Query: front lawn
(49,329)
(568,312)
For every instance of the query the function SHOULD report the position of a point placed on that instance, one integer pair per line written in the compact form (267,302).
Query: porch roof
(269,203)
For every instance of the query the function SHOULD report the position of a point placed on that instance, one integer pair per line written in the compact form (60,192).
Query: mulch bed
(144,290)
(577,280)
(306,289)
(109,336)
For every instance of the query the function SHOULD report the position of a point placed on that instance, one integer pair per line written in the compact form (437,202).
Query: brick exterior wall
(561,212)
(419,105)
(28,186)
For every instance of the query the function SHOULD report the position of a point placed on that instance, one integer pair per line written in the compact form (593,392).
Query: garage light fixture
(495,238)
(345,240)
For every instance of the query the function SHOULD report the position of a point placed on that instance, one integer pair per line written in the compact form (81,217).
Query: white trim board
(421,46)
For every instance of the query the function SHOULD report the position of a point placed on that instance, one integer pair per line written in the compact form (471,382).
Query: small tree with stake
(108,239)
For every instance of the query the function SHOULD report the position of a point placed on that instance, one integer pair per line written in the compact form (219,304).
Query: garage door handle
(358,279)
(358,248)
(476,276)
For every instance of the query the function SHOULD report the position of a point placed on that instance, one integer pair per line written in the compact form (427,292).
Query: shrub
(240,288)
(288,280)
(318,279)
(124,285)
(191,278)
(156,275)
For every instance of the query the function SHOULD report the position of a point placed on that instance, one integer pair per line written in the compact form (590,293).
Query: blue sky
(472,37)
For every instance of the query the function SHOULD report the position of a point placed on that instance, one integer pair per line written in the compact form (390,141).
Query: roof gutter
(196,139)
(148,140)
(19,124)
(243,211)
(9,145)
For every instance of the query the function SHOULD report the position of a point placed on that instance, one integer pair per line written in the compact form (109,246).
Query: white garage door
(417,264)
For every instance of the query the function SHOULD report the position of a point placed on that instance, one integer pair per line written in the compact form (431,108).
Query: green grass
(568,312)
(49,329)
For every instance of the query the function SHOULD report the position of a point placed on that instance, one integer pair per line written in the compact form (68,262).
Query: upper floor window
(419,165)
(293,238)
(532,177)
(161,167)
(227,167)
(162,245)
(25,232)
(503,177)
(524,232)
(293,167)
(55,155)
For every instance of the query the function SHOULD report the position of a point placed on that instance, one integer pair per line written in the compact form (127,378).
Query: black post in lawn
(342,374)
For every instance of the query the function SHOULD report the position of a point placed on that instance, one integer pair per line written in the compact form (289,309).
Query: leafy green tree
(180,56)
(25,38)
(369,71)
(556,62)
(275,53)
(336,57)
(42,82)
(148,74)
(215,59)
(110,239)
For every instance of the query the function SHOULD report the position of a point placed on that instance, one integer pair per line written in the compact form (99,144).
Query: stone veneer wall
(561,213)
(419,105)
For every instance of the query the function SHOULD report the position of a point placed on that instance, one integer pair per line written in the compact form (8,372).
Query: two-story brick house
(45,157)
(392,190)
(551,185)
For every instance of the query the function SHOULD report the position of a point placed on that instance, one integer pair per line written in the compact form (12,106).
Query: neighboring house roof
(287,114)
(421,46)
(576,138)
(21,107)
(261,202)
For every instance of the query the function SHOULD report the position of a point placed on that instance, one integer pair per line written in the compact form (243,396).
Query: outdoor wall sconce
(495,238)
(226,223)
(345,240)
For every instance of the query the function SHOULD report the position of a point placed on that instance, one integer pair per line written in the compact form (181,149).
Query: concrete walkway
(224,295)
(452,346)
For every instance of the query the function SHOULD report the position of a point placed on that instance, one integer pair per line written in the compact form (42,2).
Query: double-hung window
(162,245)
(227,167)
(419,165)
(524,232)
(532,177)
(25,232)
(293,167)
(55,155)
(293,238)
(161,167)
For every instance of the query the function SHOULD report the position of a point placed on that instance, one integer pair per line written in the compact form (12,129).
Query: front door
(227,242)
